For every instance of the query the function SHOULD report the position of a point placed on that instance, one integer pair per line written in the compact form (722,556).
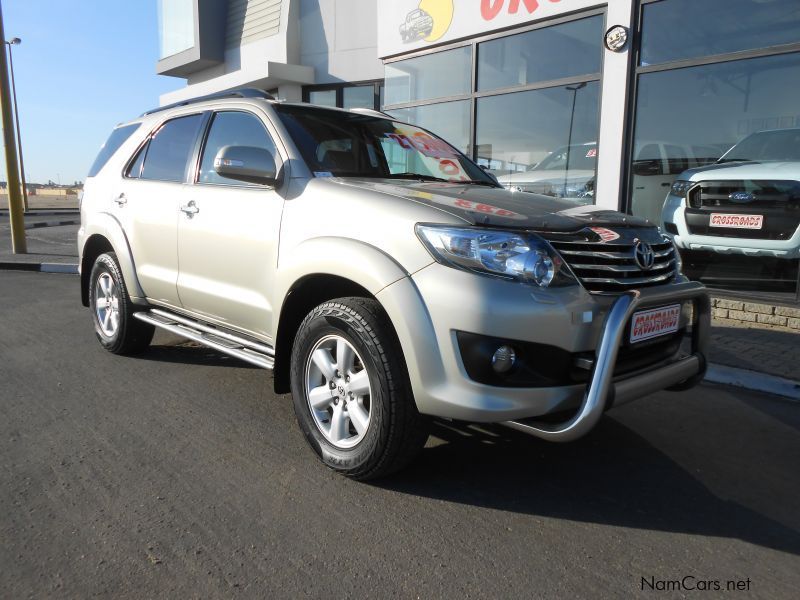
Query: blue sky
(83,66)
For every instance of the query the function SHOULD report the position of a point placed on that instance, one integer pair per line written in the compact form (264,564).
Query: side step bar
(228,343)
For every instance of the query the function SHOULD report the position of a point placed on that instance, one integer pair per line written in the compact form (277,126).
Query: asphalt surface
(180,474)
(46,239)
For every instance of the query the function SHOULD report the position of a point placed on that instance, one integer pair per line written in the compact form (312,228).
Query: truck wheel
(112,310)
(351,392)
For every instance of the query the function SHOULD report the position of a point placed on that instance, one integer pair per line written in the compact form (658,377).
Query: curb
(51,224)
(46,212)
(68,268)
(754,381)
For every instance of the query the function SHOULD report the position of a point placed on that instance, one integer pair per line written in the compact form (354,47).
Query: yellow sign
(442,13)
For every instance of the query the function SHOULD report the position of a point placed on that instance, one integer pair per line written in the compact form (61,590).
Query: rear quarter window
(118,137)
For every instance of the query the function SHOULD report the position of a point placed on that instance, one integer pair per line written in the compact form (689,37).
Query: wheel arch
(318,270)
(105,234)
(306,293)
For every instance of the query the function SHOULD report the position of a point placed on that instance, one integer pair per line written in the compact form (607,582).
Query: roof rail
(237,93)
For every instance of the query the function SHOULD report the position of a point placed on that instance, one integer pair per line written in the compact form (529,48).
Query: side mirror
(647,167)
(246,163)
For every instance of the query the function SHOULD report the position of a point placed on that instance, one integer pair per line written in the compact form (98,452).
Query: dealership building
(600,102)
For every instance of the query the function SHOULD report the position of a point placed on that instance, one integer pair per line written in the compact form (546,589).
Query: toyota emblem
(644,256)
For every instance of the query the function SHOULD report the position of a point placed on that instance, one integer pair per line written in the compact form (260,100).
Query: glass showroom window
(175,26)
(542,139)
(534,108)
(358,95)
(734,120)
(449,120)
(439,75)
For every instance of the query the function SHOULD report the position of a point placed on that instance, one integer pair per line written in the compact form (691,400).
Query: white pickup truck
(747,203)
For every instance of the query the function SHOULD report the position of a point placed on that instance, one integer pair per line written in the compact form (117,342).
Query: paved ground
(179,474)
(51,244)
(763,350)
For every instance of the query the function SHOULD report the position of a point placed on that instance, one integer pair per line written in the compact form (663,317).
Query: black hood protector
(498,207)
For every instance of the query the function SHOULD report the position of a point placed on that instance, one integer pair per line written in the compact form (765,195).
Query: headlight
(519,257)
(680,187)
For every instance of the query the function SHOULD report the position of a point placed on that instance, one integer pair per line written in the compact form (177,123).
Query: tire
(350,390)
(112,309)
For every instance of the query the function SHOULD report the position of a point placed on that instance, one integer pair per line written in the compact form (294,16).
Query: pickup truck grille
(610,267)
(776,201)
(750,194)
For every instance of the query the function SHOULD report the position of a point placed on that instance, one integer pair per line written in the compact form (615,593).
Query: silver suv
(381,275)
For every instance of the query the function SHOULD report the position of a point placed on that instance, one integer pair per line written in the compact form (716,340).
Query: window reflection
(555,52)
(323,97)
(449,120)
(542,141)
(436,75)
(737,222)
(175,26)
(682,29)
(362,96)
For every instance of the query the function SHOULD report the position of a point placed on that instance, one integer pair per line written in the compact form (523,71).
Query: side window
(170,148)
(232,129)
(135,169)
(118,137)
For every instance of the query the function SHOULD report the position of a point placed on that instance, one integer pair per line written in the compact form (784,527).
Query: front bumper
(602,391)
(568,318)
(675,212)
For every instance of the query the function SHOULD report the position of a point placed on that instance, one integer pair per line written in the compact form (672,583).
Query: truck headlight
(680,188)
(522,257)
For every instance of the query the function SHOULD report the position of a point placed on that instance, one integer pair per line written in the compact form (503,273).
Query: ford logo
(741,197)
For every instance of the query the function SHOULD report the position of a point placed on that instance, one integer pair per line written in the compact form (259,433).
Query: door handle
(190,209)
(121,200)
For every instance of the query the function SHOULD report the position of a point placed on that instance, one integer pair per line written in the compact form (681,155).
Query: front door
(228,242)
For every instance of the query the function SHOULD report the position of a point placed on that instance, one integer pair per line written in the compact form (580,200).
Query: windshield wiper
(417,176)
(478,182)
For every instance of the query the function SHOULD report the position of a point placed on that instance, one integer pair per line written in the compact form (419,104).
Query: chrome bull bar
(601,390)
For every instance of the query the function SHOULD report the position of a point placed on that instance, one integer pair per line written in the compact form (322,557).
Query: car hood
(744,170)
(498,207)
(549,175)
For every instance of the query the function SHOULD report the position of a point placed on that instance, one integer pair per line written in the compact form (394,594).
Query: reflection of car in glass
(551,177)
(655,166)
(380,274)
(418,25)
(748,202)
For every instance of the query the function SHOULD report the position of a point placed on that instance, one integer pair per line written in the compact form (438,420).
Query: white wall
(322,41)
(339,39)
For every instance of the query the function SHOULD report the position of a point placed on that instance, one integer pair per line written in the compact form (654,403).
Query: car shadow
(190,353)
(613,476)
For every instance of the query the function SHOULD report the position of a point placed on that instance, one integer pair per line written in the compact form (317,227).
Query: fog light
(503,359)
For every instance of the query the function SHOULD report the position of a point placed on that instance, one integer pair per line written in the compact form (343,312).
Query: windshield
(767,145)
(340,144)
(580,157)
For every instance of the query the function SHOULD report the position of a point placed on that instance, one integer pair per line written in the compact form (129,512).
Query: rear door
(228,248)
(148,202)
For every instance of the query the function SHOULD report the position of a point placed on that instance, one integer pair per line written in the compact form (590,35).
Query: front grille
(755,194)
(777,201)
(612,267)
